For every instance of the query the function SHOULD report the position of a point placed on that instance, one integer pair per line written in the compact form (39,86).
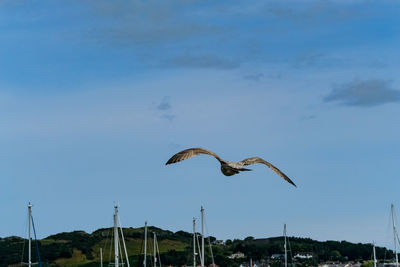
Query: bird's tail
(244,169)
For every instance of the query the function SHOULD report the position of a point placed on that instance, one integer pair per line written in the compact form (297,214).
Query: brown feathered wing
(254,160)
(188,153)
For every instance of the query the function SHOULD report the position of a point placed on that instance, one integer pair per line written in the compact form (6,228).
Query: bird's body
(228,168)
(231,168)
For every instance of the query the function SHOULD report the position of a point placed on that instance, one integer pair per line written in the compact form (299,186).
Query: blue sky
(95,96)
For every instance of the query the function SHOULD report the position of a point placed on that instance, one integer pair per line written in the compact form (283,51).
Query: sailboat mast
(29,235)
(194,242)
(116,241)
(395,236)
(202,236)
(145,243)
(101,257)
(154,249)
(284,234)
(374,255)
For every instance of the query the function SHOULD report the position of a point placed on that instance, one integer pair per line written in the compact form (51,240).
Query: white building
(303,256)
(237,255)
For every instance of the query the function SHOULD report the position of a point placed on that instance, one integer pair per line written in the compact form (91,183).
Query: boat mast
(29,234)
(116,241)
(395,236)
(155,249)
(145,243)
(101,257)
(202,236)
(194,242)
(374,255)
(284,234)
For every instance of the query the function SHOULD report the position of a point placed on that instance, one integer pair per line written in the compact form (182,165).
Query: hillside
(79,248)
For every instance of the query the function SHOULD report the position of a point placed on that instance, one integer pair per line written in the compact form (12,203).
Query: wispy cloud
(201,61)
(149,22)
(253,76)
(166,33)
(164,104)
(309,12)
(165,108)
(366,93)
(308,60)
(168,117)
(308,117)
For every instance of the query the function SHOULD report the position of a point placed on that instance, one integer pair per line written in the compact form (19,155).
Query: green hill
(79,248)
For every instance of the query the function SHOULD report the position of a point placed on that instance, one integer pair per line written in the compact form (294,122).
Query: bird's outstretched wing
(254,160)
(188,153)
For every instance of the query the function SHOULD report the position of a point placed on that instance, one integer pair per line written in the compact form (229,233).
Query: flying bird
(228,168)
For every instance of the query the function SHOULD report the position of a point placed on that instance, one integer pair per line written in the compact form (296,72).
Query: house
(218,242)
(237,255)
(303,256)
(278,256)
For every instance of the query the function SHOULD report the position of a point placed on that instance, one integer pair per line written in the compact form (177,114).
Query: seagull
(228,168)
